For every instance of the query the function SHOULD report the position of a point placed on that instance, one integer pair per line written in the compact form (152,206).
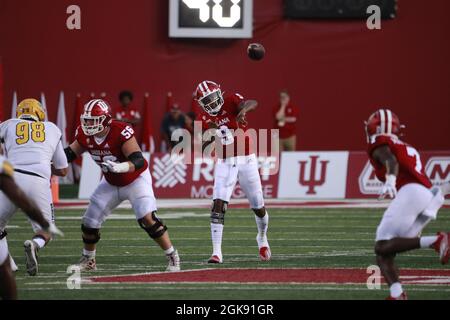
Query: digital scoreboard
(211,19)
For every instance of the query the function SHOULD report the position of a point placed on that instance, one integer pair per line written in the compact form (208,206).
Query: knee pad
(92,232)
(156,230)
(217,217)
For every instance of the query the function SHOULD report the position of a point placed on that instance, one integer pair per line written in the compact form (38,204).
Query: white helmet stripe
(90,105)
(205,84)
(103,105)
(201,88)
(382,121)
(389,121)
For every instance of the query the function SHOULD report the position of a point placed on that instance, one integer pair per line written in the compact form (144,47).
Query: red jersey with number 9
(227,124)
(110,148)
(411,169)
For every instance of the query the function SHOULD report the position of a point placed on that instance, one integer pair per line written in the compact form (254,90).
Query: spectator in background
(173,120)
(285,115)
(126,112)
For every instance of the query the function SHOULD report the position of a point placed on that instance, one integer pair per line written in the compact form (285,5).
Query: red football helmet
(383,122)
(209,97)
(96,117)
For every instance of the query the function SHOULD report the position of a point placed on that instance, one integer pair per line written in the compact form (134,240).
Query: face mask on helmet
(212,103)
(92,125)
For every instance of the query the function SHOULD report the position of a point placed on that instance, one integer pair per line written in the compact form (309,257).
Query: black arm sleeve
(70,154)
(137,159)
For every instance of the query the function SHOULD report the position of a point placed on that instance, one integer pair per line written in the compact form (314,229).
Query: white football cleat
(174,262)
(31,257)
(264,249)
(265,254)
(442,246)
(215,259)
(87,263)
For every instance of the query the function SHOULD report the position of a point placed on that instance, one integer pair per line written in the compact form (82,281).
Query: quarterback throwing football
(224,115)
(114,148)
(415,203)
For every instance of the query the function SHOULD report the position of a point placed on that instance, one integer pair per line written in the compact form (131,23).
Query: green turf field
(301,238)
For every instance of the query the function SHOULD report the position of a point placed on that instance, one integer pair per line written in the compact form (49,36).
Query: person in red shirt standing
(113,146)
(126,112)
(398,165)
(285,115)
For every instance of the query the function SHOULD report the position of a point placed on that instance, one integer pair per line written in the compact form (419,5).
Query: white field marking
(279,255)
(165,215)
(209,288)
(252,226)
(87,282)
(356,252)
(182,215)
(226,240)
(299,206)
(273,203)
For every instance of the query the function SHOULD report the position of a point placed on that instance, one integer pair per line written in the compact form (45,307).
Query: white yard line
(281,203)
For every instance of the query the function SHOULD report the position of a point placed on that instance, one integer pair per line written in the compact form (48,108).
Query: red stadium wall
(338,72)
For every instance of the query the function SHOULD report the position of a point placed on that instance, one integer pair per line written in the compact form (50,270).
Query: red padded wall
(338,71)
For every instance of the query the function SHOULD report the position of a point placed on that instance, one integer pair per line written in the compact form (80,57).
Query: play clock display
(211,18)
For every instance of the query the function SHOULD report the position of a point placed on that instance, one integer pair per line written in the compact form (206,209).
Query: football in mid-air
(256,51)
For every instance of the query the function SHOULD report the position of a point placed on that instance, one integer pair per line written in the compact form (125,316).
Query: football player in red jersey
(415,203)
(114,148)
(225,114)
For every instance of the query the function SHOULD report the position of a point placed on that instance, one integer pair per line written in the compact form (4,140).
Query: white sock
(396,290)
(426,242)
(262,224)
(89,254)
(216,237)
(13,264)
(40,242)
(169,251)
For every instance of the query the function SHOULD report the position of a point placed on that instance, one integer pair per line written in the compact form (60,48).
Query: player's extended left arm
(133,152)
(385,157)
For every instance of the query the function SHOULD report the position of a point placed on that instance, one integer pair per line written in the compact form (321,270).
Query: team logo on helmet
(96,117)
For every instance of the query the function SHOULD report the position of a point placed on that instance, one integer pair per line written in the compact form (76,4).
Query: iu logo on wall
(313,175)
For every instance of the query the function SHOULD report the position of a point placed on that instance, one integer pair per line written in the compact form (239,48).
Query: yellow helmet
(30,109)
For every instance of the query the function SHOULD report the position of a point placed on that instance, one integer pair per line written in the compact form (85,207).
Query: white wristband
(391,179)
(122,167)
